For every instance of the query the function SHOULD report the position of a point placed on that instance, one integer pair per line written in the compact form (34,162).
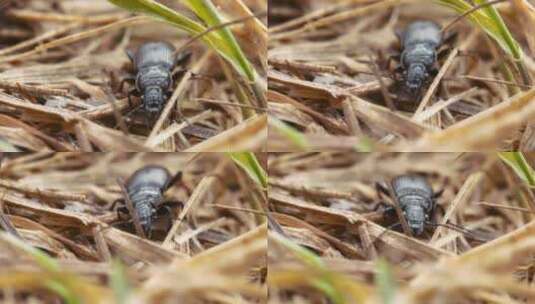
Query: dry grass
(61,65)
(60,204)
(329,78)
(325,202)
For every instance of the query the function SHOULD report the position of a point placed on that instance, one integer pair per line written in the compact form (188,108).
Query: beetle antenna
(386,229)
(472,234)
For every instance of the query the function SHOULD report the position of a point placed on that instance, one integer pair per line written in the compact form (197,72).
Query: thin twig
(137,225)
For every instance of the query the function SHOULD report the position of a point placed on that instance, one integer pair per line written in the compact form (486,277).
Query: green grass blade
(365,144)
(294,136)
(206,10)
(58,282)
(325,279)
(119,283)
(68,295)
(248,162)
(213,39)
(502,30)
(384,281)
(161,12)
(519,164)
(7,147)
(489,20)
(45,261)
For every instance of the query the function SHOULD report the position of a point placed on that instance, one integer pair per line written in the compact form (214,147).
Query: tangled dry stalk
(325,202)
(60,204)
(61,64)
(330,78)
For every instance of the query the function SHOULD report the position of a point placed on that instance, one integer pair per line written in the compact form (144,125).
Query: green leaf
(248,162)
(519,164)
(385,282)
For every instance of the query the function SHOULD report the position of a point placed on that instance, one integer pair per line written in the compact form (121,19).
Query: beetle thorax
(155,75)
(146,195)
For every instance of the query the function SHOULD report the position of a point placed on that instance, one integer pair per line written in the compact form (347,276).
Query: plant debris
(62,63)
(59,229)
(327,204)
(332,77)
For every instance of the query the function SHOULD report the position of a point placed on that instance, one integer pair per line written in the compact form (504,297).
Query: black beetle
(420,42)
(153,64)
(417,202)
(145,188)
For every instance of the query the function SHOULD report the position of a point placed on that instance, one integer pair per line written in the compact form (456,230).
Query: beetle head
(415,77)
(154,99)
(416,217)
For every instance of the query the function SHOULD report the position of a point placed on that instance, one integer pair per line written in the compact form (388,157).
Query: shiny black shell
(415,197)
(422,32)
(145,189)
(419,42)
(155,54)
(149,176)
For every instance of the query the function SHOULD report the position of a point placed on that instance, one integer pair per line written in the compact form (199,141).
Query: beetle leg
(178,73)
(130,55)
(175,179)
(395,57)
(450,38)
(148,120)
(441,54)
(166,211)
(387,229)
(119,207)
(386,208)
(132,92)
(399,34)
(115,204)
(182,58)
(438,193)
(439,207)
(382,189)
(125,80)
